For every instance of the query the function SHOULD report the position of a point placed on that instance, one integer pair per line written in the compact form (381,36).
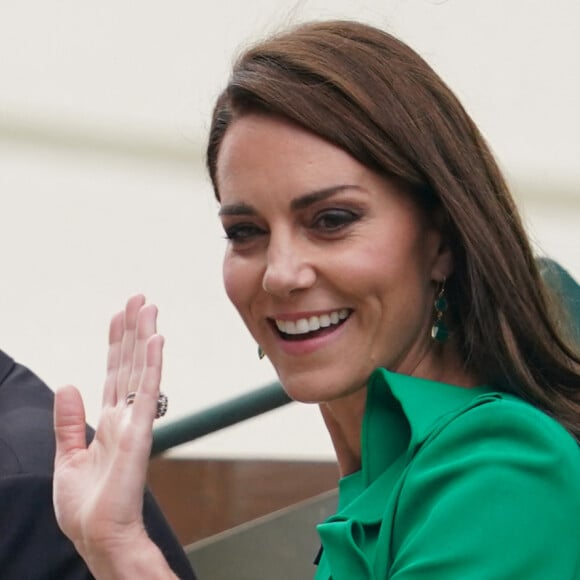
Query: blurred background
(104,110)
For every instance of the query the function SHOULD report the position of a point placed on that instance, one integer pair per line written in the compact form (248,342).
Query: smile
(304,326)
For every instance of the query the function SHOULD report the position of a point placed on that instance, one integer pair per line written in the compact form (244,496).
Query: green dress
(455,484)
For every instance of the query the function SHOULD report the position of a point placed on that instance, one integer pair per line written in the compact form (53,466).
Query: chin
(314,390)
(300,392)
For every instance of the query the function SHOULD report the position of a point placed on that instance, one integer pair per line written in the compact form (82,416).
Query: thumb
(69,422)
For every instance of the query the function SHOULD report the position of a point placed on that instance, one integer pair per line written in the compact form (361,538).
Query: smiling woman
(376,255)
(323,238)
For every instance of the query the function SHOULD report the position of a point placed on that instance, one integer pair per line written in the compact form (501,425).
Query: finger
(128,344)
(151,379)
(146,327)
(113,359)
(146,400)
(135,445)
(69,423)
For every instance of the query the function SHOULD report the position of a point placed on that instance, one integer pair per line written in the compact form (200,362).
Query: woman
(377,258)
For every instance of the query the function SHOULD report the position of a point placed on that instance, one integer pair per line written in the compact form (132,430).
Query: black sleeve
(160,532)
(32,547)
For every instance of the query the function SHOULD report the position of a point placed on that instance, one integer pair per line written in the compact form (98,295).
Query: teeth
(302,326)
(305,325)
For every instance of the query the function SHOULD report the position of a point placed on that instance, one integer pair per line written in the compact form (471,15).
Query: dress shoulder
(492,493)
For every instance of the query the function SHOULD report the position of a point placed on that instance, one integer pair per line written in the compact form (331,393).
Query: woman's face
(331,267)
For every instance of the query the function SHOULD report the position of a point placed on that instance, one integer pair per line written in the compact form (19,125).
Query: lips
(311,326)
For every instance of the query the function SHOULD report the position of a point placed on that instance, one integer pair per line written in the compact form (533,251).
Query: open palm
(98,490)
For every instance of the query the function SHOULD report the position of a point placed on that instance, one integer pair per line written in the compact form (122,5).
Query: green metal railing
(219,416)
(273,396)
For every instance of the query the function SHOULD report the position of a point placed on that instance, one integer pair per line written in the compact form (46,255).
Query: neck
(441,363)
(343,418)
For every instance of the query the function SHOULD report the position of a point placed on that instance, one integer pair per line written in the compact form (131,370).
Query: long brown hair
(370,94)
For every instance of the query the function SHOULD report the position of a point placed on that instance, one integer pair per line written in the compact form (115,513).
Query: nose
(288,268)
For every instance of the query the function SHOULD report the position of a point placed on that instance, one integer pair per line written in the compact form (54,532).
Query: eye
(333,220)
(243,232)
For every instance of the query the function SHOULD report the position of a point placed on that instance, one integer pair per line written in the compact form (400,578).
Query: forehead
(266,151)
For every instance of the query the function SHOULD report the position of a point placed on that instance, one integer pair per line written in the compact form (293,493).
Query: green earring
(261,353)
(439,330)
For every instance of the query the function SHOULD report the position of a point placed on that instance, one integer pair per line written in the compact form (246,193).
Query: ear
(443,260)
(442,266)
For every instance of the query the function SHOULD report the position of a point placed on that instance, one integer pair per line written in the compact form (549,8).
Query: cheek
(389,276)
(240,282)
(232,282)
(369,269)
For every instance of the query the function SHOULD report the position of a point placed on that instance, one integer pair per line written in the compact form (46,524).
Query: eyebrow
(302,202)
(237,209)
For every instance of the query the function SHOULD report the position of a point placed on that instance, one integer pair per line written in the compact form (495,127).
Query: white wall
(103,112)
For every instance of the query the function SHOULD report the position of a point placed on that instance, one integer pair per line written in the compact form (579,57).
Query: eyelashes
(333,220)
(243,232)
(326,224)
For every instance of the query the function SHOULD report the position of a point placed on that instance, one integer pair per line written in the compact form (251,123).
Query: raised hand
(98,490)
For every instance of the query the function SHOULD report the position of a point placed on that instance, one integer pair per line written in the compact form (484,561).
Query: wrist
(132,556)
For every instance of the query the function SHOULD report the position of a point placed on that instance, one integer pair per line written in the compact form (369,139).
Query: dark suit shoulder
(26,423)
(34,548)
